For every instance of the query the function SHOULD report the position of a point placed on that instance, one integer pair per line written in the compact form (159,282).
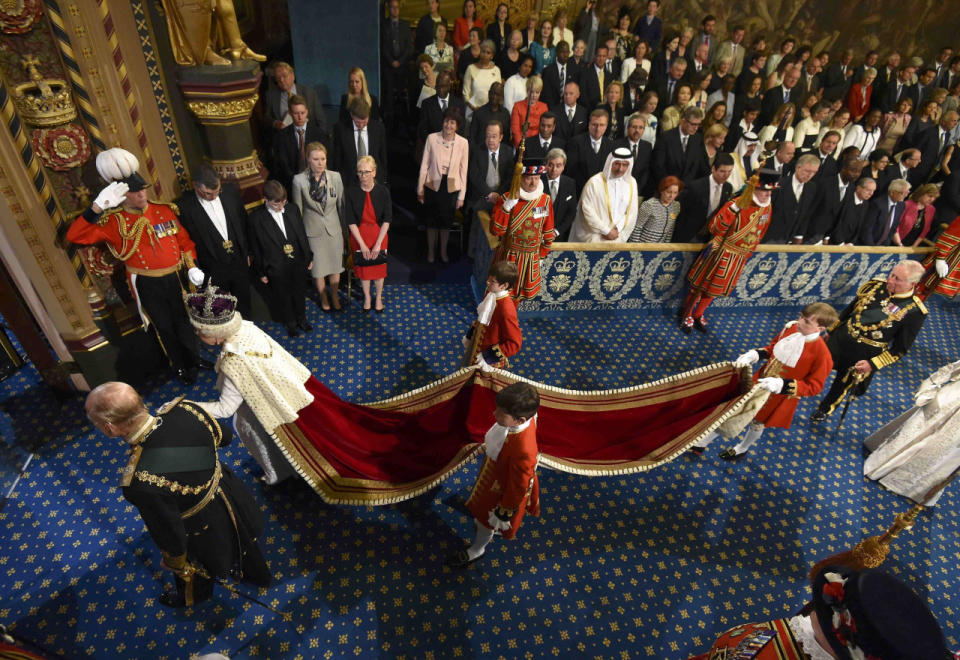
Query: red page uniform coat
(948,249)
(509,482)
(502,338)
(806,378)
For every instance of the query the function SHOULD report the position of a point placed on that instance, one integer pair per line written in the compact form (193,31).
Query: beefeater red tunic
(509,482)
(806,378)
(735,235)
(527,232)
(948,249)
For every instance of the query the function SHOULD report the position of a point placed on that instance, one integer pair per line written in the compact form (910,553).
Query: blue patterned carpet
(643,566)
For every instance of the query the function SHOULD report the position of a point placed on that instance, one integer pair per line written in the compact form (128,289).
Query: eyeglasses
(364,172)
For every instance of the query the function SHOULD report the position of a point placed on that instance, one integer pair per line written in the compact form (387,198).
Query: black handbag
(380,259)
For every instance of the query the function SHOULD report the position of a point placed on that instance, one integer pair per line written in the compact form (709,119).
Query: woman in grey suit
(318,193)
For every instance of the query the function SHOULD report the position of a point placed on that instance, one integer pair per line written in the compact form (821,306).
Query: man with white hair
(608,203)
(525,225)
(873,332)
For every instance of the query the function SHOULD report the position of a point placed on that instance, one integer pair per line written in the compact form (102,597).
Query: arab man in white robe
(743,164)
(608,203)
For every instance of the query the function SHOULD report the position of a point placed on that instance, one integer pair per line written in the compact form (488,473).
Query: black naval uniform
(197,512)
(876,327)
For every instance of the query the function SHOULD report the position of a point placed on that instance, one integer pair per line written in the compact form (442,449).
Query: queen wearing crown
(261,385)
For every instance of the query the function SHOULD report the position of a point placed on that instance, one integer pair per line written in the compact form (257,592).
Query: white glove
(943,268)
(748,358)
(112,195)
(509,203)
(482,363)
(773,385)
(466,342)
(196,276)
(496,523)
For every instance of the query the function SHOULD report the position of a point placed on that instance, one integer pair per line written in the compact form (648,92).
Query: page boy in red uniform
(507,487)
(497,319)
(798,363)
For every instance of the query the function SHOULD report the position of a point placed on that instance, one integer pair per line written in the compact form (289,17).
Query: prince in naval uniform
(148,238)
(874,331)
(201,517)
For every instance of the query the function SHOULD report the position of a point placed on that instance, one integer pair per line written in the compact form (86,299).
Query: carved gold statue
(200,28)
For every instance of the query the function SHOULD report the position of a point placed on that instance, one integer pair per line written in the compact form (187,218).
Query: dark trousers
(394,82)
(235,278)
(288,288)
(162,300)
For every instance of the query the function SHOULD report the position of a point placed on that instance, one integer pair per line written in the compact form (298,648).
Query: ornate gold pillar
(221,99)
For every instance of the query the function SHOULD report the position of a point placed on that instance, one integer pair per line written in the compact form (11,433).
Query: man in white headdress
(743,160)
(608,203)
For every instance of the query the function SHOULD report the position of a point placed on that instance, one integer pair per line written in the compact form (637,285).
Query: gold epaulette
(868,285)
(919,303)
(172,205)
(170,405)
(131,467)
(107,214)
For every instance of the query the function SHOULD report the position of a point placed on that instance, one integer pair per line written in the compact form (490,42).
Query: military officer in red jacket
(149,239)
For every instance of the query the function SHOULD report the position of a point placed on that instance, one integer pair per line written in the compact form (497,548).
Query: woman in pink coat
(917,216)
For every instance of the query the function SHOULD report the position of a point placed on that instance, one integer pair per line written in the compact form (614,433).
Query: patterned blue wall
(589,280)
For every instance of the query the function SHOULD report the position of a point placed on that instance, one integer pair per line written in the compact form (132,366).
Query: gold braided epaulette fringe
(170,405)
(919,302)
(172,205)
(107,214)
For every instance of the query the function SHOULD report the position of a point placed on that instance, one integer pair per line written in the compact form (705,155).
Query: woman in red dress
(368,215)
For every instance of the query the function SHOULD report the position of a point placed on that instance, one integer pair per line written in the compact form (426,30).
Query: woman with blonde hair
(442,183)
(368,213)
(713,139)
(357,88)
(613,104)
(560,30)
(780,127)
(318,193)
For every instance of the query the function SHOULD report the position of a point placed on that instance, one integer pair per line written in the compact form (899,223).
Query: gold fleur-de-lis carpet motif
(652,565)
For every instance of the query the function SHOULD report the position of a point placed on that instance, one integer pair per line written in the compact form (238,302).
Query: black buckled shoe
(818,417)
(170,598)
(730,455)
(461,559)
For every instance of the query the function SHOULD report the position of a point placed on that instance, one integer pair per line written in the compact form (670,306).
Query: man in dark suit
(282,255)
(216,220)
(839,76)
(932,143)
(571,116)
(941,66)
(588,151)
(677,151)
(640,150)
(777,96)
(852,213)
(885,75)
(793,204)
(613,65)
(562,191)
(290,147)
(557,75)
(492,109)
(278,97)
(826,154)
(909,160)
(490,169)
(700,199)
(666,87)
(361,135)
(834,191)
(432,109)
(925,82)
(884,213)
(900,88)
(809,78)
(952,75)
(869,62)
(594,79)
(546,139)
(948,203)
(396,49)
(649,27)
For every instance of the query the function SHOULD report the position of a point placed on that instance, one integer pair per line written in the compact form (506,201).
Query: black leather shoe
(700,324)
(695,451)
(818,417)
(730,455)
(186,377)
(171,598)
(204,363)
(292,331)
(303,325)
(461,559)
